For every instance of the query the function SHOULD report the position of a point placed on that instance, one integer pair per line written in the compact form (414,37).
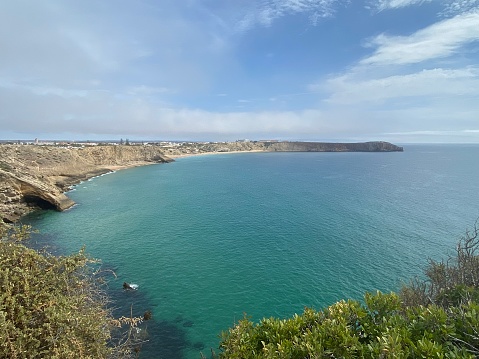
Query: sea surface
(209,238)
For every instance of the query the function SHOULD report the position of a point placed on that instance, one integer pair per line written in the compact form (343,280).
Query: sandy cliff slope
(36,176)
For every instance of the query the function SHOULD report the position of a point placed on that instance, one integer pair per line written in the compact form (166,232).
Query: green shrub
(451,281)
(52,307)
(5,166)
(436,318)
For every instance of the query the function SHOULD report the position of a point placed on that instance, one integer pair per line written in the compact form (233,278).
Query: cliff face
(271,146)
(377,146)
(36,176)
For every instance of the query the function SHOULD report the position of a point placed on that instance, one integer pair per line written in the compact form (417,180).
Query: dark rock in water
(147,315)
(130,286)
(199,346)
(188,324)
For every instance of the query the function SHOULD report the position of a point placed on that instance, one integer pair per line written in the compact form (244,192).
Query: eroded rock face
(37,192)
(20,193)
(36,176)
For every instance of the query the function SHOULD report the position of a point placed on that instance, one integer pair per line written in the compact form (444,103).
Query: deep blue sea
(209,238)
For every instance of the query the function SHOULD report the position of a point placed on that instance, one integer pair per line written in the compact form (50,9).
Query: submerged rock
(188,324)
(130,286)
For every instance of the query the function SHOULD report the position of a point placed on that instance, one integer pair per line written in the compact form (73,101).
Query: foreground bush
(435,318)
(51,307)
(379,329)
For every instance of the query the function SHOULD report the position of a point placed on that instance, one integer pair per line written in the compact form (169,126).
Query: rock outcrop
(36,176)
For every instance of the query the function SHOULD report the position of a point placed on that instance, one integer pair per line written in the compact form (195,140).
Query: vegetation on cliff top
(433,318)
(53,307)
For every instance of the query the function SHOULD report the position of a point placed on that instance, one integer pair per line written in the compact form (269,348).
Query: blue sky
(324,70)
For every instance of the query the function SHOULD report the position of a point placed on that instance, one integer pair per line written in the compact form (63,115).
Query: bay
(208,238)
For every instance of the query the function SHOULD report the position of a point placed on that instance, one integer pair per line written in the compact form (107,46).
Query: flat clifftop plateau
(376,146)
(36,176)
(193,148)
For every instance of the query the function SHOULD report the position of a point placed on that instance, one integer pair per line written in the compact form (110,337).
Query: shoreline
(213,153)
(104,170)
(130,165)
(39,176)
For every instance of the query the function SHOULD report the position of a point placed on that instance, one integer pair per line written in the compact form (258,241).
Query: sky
(404,71)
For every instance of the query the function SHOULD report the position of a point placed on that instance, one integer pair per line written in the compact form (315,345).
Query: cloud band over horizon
(288,69)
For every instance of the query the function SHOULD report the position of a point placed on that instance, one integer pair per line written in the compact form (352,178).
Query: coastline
(38,176)
(213,153)
(129,165)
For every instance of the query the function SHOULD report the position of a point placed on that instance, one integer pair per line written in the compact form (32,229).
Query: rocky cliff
(36,176)
(191,148)
(377,146)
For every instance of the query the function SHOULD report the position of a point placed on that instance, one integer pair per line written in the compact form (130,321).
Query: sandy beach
(212,153)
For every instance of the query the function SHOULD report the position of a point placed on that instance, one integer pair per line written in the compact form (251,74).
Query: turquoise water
(208,238)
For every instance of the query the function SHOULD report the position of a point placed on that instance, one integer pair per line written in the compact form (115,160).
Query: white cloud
(418,87)
(450,7)
(444,83)
(453,7)
(106,44)
(442,39)
(434,133)
(267,11)
(395,4)
(114,114)
(147,90)
(435,136)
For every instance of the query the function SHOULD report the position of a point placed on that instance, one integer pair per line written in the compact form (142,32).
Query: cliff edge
(36,176)
(375,146)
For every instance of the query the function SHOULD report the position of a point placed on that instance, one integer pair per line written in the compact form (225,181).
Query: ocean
(209,238)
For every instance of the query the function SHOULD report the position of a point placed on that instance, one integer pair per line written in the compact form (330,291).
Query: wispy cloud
(434,83)
(450,7)
(453,7)
(267,11)
(412,84)
(439,40)
(395,4)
